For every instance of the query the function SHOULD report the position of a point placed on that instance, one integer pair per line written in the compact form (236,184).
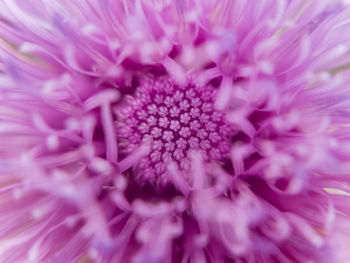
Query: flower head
(174,131)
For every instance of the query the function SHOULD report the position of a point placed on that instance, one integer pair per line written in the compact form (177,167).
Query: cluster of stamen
(173,119)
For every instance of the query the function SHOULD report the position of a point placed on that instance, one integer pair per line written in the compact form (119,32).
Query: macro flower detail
(174,131)
(173,125)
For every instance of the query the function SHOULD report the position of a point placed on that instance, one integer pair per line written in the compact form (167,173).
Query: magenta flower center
(173,119)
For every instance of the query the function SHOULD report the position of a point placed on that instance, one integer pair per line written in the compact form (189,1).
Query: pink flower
(174,131)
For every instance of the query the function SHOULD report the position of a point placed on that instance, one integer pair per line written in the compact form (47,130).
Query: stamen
(172,126)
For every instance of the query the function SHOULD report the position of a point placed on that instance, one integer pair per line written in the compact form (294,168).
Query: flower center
(174,119)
